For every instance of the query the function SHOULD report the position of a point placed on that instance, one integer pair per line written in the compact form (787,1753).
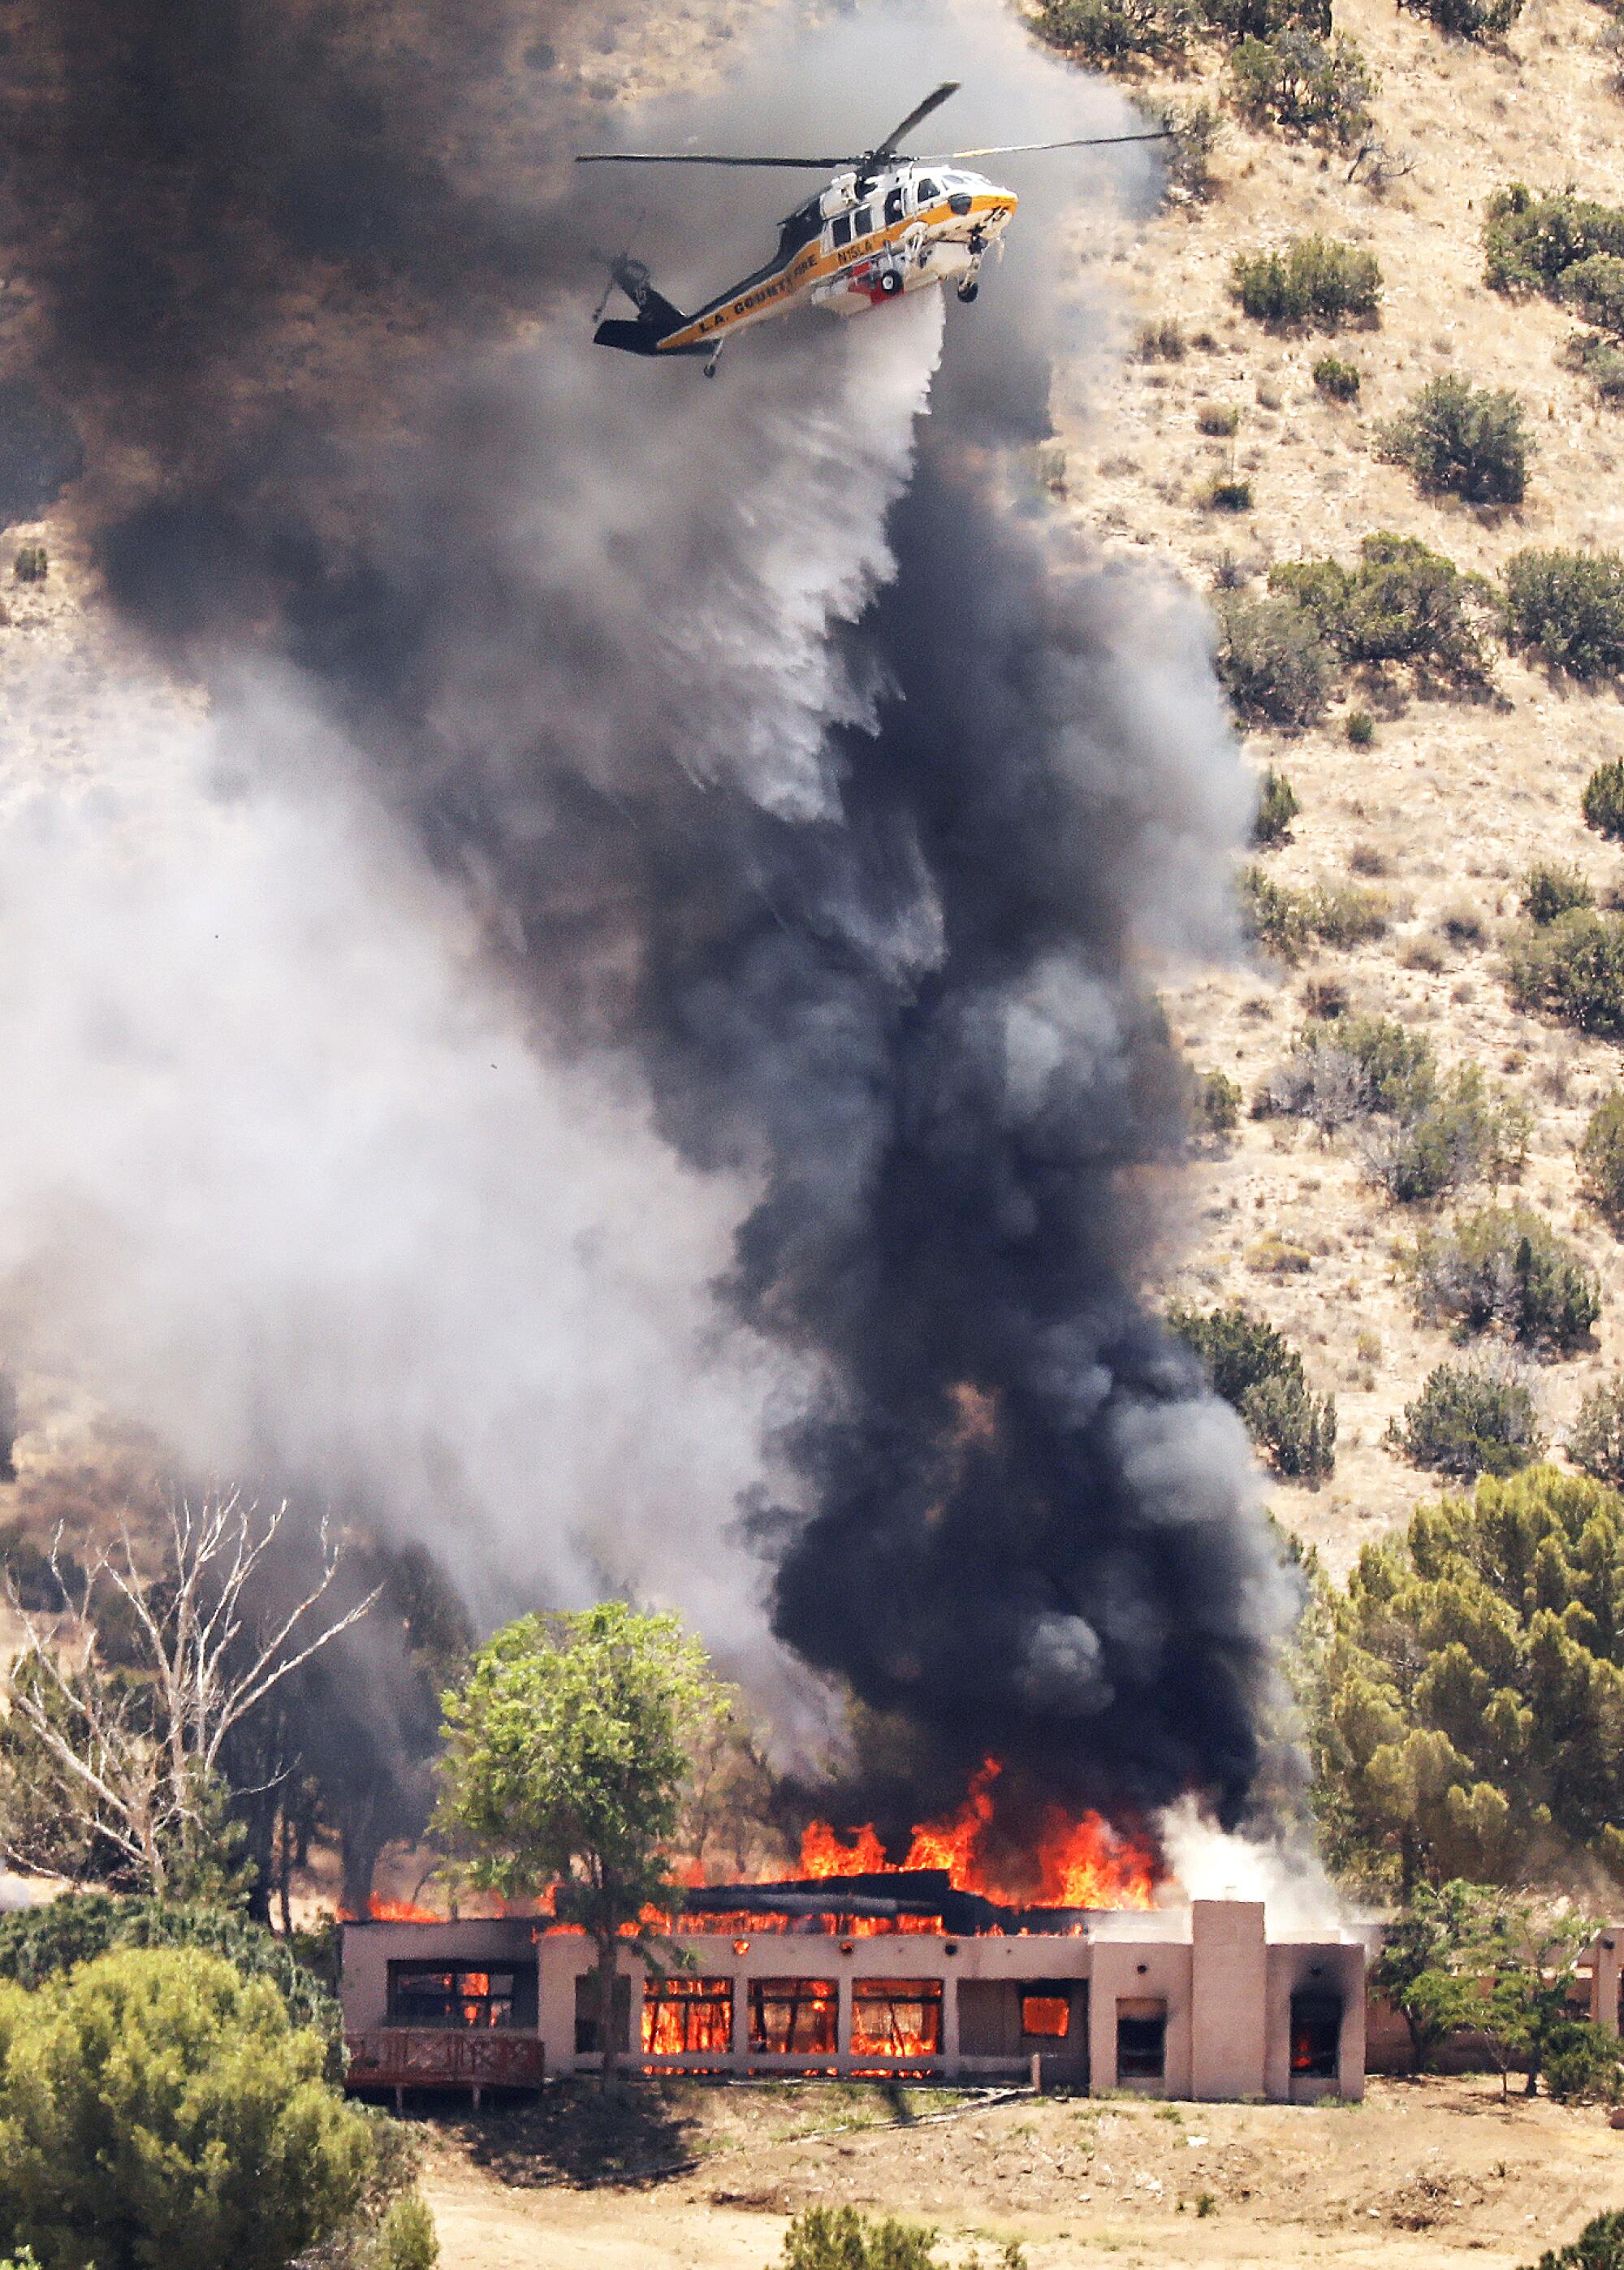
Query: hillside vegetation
(1398,478)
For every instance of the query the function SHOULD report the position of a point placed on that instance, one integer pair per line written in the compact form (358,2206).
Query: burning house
(894,1974)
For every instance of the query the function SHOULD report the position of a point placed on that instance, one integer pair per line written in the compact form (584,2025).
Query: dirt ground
(1418,2174)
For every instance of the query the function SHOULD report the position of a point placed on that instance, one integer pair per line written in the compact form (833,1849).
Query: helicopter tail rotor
(656,318)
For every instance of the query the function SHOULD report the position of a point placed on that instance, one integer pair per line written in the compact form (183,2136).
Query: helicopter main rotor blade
(694,157)
(921,110)
(1084,142)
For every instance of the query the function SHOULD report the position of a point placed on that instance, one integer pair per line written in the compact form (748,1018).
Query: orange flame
(1081,1863)
(391,1912)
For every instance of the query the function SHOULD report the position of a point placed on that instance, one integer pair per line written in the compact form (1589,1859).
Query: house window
(422,1994)
(1315,2036)
(1141,2040)
(793,2017)
(897,2017)
(685,2016)
(1046,2014)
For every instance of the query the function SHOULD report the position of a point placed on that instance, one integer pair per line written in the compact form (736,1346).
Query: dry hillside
(1455,797)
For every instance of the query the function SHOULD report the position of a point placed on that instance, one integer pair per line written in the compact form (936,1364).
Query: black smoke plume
(806,772)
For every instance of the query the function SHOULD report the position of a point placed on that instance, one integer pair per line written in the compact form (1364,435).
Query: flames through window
(687,2016)
(794,2017)
(897,2017)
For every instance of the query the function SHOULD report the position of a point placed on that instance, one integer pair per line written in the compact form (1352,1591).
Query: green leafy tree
(1425,1963)
(1467,1711)
(566,1761)
(1277,808)
(1528,2019)
(157,2109)
(1471,1419)
(1307,84)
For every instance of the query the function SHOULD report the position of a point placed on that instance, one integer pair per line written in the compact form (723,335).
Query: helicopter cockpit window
(927,193)
(894,206)
(862,221)
(839,230)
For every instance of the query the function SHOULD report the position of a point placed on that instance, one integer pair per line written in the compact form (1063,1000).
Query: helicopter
(886,225)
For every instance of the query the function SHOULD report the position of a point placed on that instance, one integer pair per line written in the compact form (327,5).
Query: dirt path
(1411,2178)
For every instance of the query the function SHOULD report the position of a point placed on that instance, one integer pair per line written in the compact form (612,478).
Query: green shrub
(157,2108)
(1347,914)
(1596,1441)
(1573,968)
(1229,494)
(1601,1157)
(1471,19)
(1295,80)
(1551,891)
(1466,441)
(1581,2061)
(1216,1106)
(1603,801)
(32,564)
(1359,728)
(1115,31)
(1596,287)
(1600,361)
(1529,242)
(1470,1420)
(840,2238)
(1504,1268)
(1258,1373)
(1358,1066)
(1336,378)
(1457,1135)
(1599,2246)
(1313,281)
(1219,418)
(1284,921)
(1274,917)
(407,2239)
(1271,660)
(1277,808)
(1567,607)
(1402,603)
(42,1943)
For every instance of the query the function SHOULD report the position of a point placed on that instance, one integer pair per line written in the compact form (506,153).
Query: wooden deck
(444,2056)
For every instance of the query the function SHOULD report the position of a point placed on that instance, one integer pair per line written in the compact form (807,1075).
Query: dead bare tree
(136,1747)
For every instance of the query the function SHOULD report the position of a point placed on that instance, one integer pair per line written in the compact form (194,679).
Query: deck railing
(444,2056)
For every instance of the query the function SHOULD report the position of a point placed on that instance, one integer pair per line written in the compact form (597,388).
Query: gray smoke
(637,1001)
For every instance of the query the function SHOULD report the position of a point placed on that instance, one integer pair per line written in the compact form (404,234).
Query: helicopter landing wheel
(889,283)
(967,292)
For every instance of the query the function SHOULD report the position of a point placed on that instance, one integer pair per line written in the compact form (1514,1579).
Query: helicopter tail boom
(656,318)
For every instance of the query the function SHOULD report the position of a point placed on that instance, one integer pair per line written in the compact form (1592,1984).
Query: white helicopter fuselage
(862,242)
